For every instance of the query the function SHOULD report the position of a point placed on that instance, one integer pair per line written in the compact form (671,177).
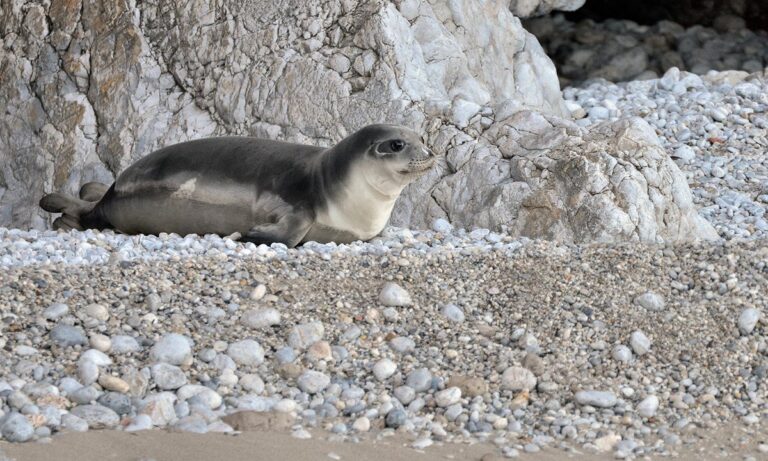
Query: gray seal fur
(266,191)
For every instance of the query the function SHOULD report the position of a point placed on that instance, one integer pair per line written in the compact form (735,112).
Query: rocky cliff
(89,87)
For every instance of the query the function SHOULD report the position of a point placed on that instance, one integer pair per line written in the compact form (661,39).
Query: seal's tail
(72,210)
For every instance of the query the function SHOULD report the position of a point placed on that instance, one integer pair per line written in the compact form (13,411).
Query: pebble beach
(432,337)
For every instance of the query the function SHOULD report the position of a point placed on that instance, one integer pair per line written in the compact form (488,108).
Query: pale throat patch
(364,203)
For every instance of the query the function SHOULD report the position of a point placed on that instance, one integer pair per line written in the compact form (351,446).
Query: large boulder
(541,176)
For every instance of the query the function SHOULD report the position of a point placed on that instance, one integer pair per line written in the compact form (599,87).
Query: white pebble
(647,408)
(442,226)
(172,348)
(453,312)
(100,342)
(518,379)
(651,301)
(97,311)
(622,353)
(55,311)
(261,318)
(384,368)
(394,295)
(748,320)
(313,382)
(448,397)
(246,352)
(640,343)
(252,383)
(362,424)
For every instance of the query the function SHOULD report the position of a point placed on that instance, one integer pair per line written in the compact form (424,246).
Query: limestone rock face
(89,87)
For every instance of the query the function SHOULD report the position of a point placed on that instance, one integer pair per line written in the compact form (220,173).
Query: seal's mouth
(420,165)
(417,167)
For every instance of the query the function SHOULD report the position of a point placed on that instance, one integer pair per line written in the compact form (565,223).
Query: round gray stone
(168,377)
(419,379)
(443,226)
(453,313)
(518,379)
(384,368)
(313,382)
(73,423)
(405,394)
(285,355)
(640,343)
(396,418)
(394,295)
(260,318)
(55,311)
(402,345)
(650,300)
(448,397)
(67,335)
(246,352)
(97,416)
(648,406)
(622,353)
(84,395)
(123,344)
(600,399)
(748,320)
(304,335)
(16,428)
(119,403)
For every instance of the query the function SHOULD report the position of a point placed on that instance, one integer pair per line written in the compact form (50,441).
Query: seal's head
(362,176)
(391,157)
(399,150)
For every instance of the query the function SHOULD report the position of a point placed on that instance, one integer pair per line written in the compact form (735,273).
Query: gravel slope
(530,329)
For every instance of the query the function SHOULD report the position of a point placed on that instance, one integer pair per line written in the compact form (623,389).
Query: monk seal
(267,191)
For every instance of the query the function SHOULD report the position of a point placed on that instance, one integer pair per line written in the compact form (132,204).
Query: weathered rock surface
(541,176)
(89,88)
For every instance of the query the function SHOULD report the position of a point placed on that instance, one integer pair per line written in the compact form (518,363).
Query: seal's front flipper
(93,191)
(288,230)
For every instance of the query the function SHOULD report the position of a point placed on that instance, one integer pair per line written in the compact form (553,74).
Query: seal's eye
(391,147)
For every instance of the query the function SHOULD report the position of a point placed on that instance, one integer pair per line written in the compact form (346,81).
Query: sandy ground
(735,442)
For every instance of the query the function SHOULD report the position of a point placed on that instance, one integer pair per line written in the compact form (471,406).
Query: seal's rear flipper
(66,223)
(55,203)
(93,191)
(72,210)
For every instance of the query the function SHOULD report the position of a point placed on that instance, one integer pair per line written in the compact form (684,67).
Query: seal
(267,191)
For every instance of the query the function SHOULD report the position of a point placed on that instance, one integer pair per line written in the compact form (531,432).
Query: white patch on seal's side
(362,205)
(186,190)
